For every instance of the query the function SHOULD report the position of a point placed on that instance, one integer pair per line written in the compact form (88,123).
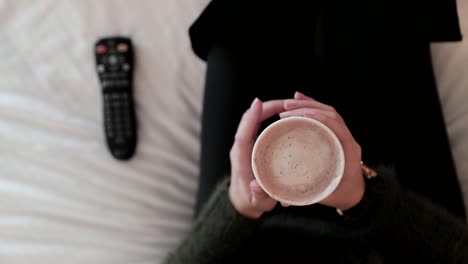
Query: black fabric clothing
(370,60)
(427,20)
(397,226)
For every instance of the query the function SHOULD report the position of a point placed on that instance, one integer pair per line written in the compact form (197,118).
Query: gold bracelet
(368,174)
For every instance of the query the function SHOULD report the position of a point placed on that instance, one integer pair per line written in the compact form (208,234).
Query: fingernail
(298,94)
(290,103)
(254,103)
(309,113)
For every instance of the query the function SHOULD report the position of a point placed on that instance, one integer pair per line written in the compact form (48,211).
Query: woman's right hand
(246,195)
(352,186)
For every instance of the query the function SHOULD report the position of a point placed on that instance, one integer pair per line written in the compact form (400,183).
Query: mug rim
(331,186)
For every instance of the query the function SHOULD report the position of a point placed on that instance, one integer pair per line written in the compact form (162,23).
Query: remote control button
(101,68)
(126,67)
(120,152)
(119,140)
(121,83)
(122,59)
(109,76)
(113,59)
(101,49)
(113,83)
(122,47)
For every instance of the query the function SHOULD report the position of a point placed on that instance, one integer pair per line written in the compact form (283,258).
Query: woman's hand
(246,195)
(351,188)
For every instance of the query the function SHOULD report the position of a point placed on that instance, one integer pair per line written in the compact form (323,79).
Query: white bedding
(451,69)
(63,198)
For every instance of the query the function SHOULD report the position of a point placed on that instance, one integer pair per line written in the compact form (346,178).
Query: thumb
(259,198)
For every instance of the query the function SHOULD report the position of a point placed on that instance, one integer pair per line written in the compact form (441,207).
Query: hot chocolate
(298,161)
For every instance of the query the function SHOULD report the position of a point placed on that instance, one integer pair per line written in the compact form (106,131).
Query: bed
(63,198)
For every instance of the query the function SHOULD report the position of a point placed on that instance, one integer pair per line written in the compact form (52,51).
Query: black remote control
(114,65)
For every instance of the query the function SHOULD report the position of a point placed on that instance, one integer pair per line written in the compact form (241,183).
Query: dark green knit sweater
(390,225)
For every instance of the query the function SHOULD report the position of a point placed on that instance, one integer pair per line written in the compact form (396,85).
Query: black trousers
(383,87)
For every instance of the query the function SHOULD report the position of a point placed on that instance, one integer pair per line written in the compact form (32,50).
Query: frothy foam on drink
(296,160)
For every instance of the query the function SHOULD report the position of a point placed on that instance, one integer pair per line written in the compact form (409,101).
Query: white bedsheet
(63,198)
(451,69)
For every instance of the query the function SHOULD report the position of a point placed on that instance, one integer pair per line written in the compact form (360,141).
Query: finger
(260,199)
(301,96)
(292,104)
(252,119)
(271,108)
(248,125)
(284,204)
(248,128)
(304,111)
(257,189)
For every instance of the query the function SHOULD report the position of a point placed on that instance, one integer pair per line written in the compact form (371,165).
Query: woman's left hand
(351,188)
(246,195)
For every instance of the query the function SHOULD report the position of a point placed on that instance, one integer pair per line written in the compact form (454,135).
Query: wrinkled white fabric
(450,66)
(63,198)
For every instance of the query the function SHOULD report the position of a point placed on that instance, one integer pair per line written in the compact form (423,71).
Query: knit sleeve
(217,233)
(403,223)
